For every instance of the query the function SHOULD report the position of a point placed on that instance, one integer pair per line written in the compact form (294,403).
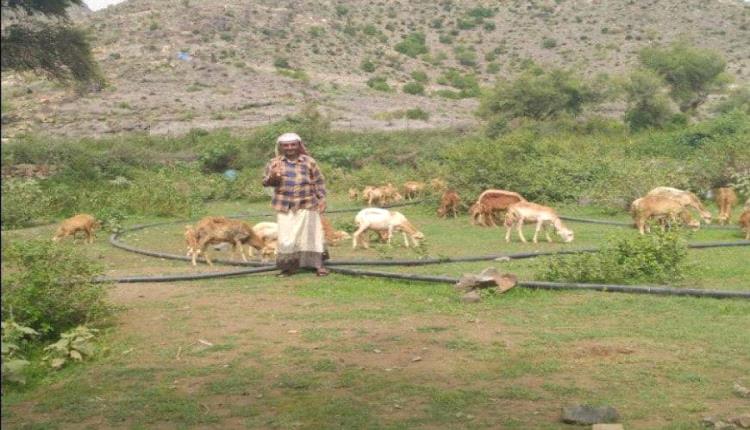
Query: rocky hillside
(173,65)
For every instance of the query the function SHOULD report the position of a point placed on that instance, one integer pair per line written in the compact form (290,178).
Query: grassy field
(344,352)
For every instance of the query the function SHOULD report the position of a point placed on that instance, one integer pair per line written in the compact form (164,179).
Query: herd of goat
(665,205)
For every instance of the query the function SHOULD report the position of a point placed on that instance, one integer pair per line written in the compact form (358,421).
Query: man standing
(298,198)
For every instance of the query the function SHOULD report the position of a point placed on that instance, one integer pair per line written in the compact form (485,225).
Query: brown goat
(725,199)
(81,222)
(448,203)
(745,223)
(413,189)
(217,230)
(489,202)
(332,236)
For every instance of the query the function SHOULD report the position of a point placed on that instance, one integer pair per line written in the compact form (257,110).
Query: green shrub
(647,106)
(417,114)
(378,83)
(445,39)
(281,63)
(23,202)
(414,88)
(548,43)
(538,94)
(655,258)
(49,287)
(14,338)
(367,66)
(420,76)
(738,99)
(691,73)
(217,157)
(412,45)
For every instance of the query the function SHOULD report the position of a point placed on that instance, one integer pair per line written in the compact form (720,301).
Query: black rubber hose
(186,277)
(633,289)
(630,224)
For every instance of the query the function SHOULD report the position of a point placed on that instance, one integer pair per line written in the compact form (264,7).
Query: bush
(738,99)
(367,66)
(548,43)
(23,203)
(419,76)
(281,63)
(418,114)
(49,287)
(691,73)
(414,88)
(217,157)
(655,258)
(539,95)
(378,83)
(647,107)
(412,45)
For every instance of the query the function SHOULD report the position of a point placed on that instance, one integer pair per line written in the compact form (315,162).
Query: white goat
(520,212)
(382,219)
(268,232)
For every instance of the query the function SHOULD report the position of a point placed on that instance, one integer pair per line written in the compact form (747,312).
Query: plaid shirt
(302,185)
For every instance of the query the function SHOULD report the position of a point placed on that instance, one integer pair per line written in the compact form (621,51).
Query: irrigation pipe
(633,289)
(335,265)
(629,224)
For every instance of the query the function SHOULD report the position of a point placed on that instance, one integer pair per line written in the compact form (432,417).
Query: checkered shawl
(302,185)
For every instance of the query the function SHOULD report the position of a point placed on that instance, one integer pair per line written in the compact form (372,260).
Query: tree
(40,38)
(647,105)
(691,73)
(539,95)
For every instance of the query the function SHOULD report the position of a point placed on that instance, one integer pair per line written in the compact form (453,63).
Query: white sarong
(301,239)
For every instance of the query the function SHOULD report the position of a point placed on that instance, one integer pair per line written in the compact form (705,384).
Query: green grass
(336,352)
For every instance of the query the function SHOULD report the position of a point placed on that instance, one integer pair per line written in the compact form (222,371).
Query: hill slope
(173,65)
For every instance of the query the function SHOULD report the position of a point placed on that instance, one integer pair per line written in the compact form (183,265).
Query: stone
(741,390)
(506,282)
(607,427)
(588,415)
(471,297)
(741,421)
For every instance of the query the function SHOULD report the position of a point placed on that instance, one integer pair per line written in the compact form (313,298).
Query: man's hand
(321,206)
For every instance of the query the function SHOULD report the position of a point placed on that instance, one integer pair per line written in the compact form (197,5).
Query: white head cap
(288,138)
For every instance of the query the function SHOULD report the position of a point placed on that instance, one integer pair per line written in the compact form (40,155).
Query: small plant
(658,257)
(414,88)
(281,63)
(75,344)
(549,43)
(50,287)
(367,66)
(217,157)
(419,76)
(412,45)
(13,337)
(378,83)
(418,114)
(23,202)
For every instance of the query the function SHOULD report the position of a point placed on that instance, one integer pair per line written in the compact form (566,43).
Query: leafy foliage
(691,73)
(413,88)
(647,106)
(654,258)
(52,48)
(75,344)
(412,45)
(379,83)
(738,99)
(50,287)
(14,336)
(23,202)
(538,94)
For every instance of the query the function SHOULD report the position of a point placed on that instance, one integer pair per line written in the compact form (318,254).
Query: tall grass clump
(658,258)
(50,287)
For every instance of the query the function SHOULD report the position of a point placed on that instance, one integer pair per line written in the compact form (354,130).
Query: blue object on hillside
(230,175)
(184,56)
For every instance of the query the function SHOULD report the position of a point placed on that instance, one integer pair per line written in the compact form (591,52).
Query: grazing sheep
(81,222)
(438,184)
(685,198)
(725,199)
(383,219)
(520,212)
(664,209)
